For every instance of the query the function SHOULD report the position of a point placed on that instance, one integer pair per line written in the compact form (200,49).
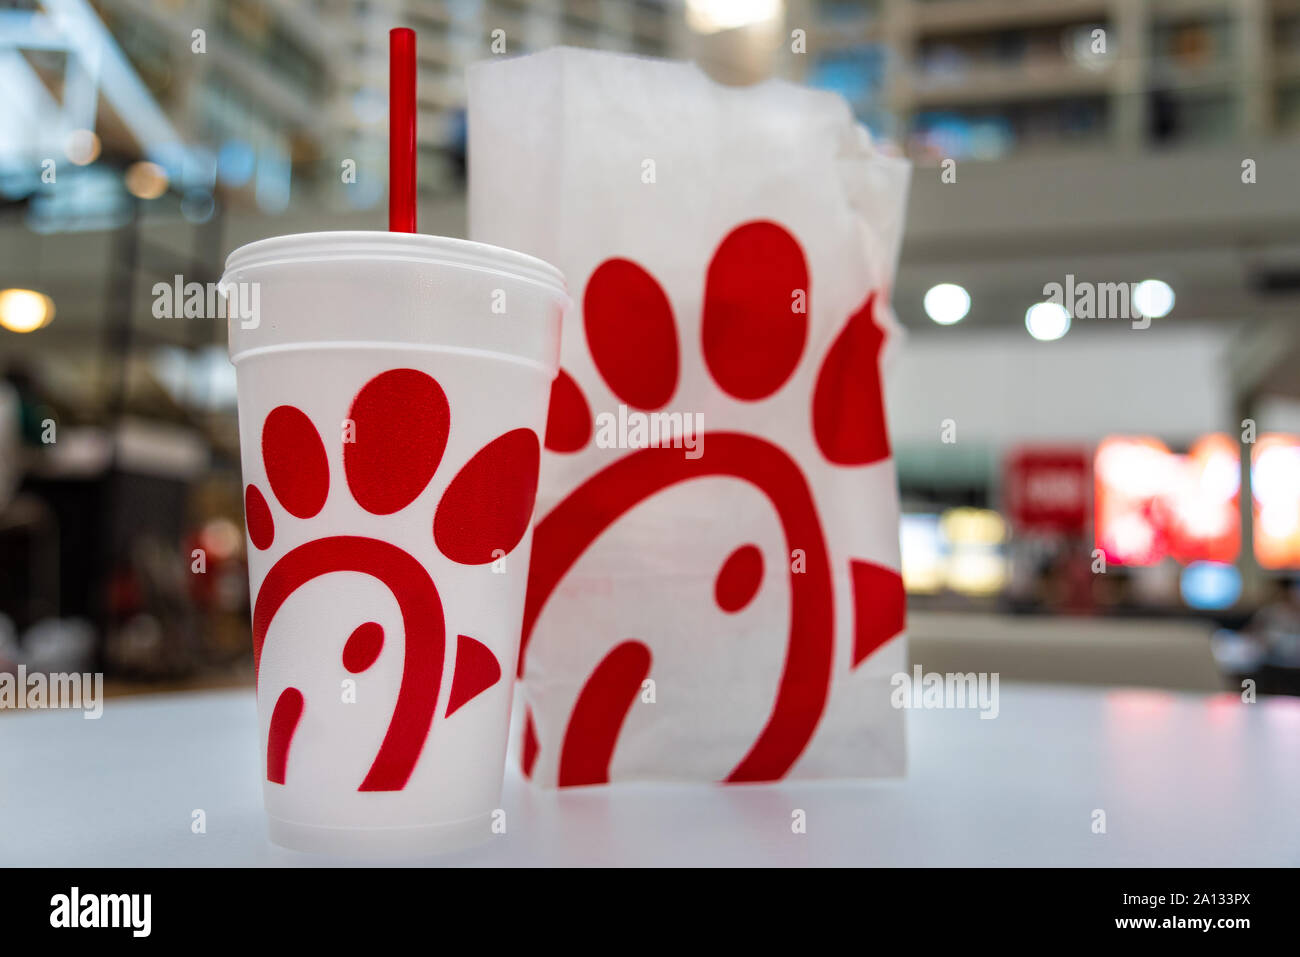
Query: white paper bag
(714,591)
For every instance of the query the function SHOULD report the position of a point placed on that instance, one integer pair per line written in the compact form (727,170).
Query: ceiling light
(1153,298)
(1047,321)
(713,16)
(146,180)
(25,310)
(82,147)
(947,303)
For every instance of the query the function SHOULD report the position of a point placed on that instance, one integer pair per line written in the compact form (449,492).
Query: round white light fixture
(146,180)
(82,147)
(1047,321)
(1153,298)
(947,303)
(712,16)
(25,310)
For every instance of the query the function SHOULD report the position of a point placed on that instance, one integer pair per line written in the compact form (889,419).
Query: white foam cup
(393,391)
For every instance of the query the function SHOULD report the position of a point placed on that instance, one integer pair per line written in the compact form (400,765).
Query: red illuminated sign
(1154,504)
(1048,490)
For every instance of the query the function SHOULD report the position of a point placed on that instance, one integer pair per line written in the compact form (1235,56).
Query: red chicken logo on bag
(754,328)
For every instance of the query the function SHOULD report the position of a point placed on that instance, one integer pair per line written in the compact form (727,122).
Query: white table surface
(1183,779)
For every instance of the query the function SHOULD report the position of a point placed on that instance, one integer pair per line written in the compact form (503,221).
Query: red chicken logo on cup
(752,342)
(401,422)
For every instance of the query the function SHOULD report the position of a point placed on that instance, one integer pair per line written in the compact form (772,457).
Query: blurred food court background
(1104,488)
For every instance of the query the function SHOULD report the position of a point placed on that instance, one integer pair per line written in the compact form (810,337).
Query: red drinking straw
(401,130)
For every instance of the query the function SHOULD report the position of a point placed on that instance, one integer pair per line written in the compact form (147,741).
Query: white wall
(1103,377)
